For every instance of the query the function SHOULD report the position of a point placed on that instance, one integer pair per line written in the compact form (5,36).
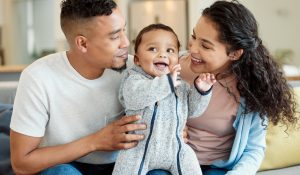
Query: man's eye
(115,37)
(193,36)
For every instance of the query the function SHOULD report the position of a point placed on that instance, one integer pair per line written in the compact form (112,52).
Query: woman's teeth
(196,60)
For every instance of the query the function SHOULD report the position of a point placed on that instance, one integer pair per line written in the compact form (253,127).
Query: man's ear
(236,55)
(80,42)
(136,60)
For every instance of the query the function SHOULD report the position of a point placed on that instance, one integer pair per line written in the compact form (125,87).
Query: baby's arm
(139,92)
(175,71)
(200,94)
(204,82)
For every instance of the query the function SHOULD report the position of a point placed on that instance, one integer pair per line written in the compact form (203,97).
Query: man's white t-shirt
(55,102)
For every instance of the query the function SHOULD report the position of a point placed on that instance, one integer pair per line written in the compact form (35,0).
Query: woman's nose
(192,46)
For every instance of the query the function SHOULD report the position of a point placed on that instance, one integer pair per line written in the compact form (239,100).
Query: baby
(151,89)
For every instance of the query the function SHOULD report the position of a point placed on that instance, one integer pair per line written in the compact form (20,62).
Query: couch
(5,113)
(282,153)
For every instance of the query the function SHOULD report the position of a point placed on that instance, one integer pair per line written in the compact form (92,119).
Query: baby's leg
(189,162)
(129,161)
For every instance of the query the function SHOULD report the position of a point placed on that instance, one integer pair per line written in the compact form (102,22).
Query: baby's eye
(152,49)
(170,50)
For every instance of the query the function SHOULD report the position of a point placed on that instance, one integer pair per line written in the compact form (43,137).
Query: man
(66,103)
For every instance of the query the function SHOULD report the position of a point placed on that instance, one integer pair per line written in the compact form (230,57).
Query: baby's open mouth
(161,65)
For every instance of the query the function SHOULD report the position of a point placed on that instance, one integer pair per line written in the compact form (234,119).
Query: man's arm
(27,158)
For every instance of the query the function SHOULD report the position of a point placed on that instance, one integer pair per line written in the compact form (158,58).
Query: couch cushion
(284,171)
(282,148)
(5,116)
(8,91)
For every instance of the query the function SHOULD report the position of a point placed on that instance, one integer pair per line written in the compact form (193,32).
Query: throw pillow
(282,147)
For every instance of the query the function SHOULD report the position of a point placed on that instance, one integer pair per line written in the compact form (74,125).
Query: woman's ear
(236,55)
(136,60)
(81,43)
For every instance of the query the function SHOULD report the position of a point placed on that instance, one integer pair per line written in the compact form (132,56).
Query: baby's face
(157,52)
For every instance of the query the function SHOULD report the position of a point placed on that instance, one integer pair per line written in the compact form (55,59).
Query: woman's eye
(205,47)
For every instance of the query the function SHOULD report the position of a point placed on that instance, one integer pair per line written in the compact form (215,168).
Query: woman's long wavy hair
(260,80)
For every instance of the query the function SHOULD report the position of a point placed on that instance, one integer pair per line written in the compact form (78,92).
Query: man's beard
(120,69)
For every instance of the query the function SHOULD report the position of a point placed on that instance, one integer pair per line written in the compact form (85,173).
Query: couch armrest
(8,91)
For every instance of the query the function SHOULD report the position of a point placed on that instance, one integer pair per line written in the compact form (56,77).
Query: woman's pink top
(211,135)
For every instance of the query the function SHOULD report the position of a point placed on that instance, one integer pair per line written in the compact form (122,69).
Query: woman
(229,138)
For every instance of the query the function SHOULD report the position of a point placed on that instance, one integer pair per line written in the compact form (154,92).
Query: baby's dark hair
(77,11)
(152,27)
(260,80)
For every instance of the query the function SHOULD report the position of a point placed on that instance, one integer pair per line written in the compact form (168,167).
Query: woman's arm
(253,153)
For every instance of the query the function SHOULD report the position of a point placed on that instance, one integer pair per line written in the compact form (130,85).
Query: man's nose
(124,41)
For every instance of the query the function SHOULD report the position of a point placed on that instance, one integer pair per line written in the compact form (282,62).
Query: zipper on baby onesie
(178,139)
(148,139)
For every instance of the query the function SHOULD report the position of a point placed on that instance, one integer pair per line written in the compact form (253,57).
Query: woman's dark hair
(152,27)
(260,80)
(73,11)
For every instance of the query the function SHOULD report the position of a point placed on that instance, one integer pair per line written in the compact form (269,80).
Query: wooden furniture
(293,78)
(2,61)
(11,72)
(12,68)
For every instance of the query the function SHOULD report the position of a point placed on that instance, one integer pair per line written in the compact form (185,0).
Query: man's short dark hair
(78,11)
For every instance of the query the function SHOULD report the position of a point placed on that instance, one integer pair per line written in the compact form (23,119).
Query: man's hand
(114,136)
(28,158)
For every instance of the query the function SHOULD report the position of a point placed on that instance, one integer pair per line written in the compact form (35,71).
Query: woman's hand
(185,134)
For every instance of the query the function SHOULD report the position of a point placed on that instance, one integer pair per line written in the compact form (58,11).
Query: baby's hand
(205,81)
(175,71)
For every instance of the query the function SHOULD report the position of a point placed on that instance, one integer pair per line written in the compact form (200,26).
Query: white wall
(27,28)
(171,13)
(60,40)
(278,21)
(1,12)
(1,23)
(7,35)
(44,31)
(195,9)
(279,24)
